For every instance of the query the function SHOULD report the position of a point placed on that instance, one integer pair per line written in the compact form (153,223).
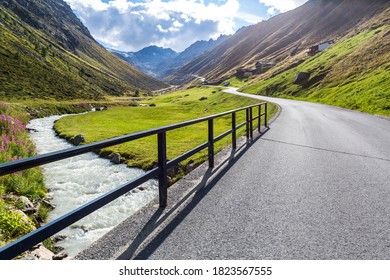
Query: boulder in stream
(78,139)
(116,158)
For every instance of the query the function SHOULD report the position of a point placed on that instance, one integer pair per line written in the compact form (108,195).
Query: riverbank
(76,181)
(23,200)
(162,110)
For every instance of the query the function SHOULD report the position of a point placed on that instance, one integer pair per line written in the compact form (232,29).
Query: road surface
(315,186)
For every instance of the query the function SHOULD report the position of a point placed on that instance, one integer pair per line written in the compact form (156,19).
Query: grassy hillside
(354,74)
(282,36)
(47,54)
(169,109)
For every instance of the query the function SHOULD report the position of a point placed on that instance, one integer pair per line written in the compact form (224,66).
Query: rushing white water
(76,181)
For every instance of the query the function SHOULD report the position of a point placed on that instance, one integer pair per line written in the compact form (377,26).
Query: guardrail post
(234,134)
(162,165)
(251,122)
(265,116)
(259,122)
(211,143)
(247,124)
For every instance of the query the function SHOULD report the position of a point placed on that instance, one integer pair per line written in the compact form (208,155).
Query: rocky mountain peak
(54,17)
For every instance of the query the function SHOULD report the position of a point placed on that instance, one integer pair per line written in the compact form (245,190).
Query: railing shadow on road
(27,241)
(179,211)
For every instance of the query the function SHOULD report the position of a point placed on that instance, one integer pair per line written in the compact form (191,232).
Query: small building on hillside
(319,48)
(244,72)
(264,64)
(260,67)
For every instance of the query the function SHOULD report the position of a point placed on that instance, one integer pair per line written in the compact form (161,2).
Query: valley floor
(159,111)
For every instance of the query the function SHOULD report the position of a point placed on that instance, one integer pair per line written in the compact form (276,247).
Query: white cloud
(249,18)
(281,5)
(161,29)
(271,11)
(97,5)
(131,25)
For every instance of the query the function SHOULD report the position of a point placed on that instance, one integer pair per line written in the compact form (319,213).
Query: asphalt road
(315,186)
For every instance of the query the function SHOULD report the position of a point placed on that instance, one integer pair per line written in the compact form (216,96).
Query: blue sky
(131,25)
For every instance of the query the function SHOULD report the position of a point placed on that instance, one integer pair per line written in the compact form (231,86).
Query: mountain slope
(47,53)
(275,39)
(354,73)
(190,53)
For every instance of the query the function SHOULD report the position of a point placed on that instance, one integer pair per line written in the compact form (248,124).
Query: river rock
(30,210)
(25,201)
(32,112)
(40,253)
(301,78)
(103,108)
(29,130)
(59,238)
(86,228)
(60,256)
(38,220)
(190,167)
(79,139)
(48,204)
(116,158)
(58,249)
(29,257)
(24,216)
(172,172)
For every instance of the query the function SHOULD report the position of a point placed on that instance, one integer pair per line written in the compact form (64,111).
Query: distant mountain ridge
(47,53)
(161,62)
(151,60)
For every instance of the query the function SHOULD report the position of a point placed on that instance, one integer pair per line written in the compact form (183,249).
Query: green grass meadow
(169,109)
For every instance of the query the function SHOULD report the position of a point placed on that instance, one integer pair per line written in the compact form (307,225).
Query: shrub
(2,190)
(13,224)
(15,144)
(133,103)
(85,106)
(4,108)
(43,212)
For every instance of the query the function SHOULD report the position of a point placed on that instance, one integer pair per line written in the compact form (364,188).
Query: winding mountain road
(315,186)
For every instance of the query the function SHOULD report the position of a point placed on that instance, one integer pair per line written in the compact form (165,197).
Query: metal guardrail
(29,240)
